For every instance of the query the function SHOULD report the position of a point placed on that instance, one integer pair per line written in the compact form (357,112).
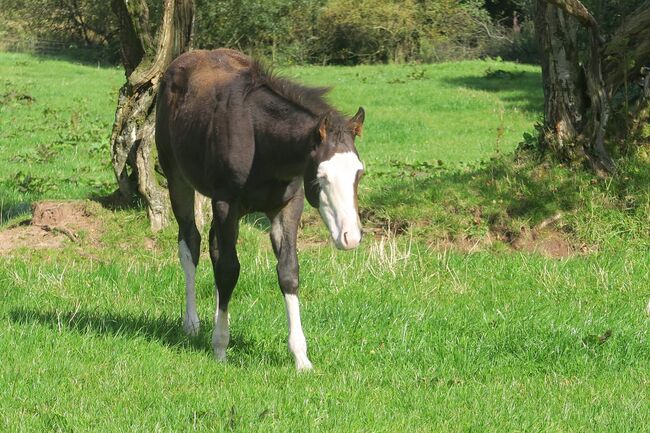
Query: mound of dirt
(544,238)
(550,243)
(53,224)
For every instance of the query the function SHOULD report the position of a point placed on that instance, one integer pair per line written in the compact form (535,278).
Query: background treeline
(307,31)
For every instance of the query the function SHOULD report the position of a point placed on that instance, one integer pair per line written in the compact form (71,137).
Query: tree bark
(577,99)
(564,101)
(132,140)
(629,50)
(577,105)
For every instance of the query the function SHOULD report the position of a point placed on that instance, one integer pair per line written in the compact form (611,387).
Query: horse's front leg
(284,230)
(225,264)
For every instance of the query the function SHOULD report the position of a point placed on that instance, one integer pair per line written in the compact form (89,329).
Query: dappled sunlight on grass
(505,195)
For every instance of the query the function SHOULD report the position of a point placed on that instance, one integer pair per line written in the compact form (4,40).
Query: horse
(229,128)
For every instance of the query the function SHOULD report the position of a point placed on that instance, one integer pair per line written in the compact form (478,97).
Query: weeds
(28,183)
(13,96)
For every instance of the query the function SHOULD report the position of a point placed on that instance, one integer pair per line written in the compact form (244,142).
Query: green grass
(449,112)
(404,336)
(56,118)
(55,125)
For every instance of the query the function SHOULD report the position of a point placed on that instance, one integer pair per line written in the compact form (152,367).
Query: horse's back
(196,71)
(194,82)
(198,92)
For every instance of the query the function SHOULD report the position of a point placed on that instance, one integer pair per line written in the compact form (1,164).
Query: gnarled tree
(145,59)
(580,97)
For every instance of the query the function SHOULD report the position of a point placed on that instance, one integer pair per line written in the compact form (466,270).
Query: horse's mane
(310,99)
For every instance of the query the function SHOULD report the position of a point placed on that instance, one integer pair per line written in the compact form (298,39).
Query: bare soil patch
(546,238)
(53,225)
(549,238)
(374,222)
(548,242)
(463,244)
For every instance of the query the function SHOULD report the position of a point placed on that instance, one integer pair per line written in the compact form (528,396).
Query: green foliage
(277,29)
(372,31)
(520,46)
(368,31)
(305,31)
(287,32)
(83,29)
(345,31)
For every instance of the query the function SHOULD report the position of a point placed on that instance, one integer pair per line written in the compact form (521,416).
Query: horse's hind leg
(189,247)
(284,233)
(223,252)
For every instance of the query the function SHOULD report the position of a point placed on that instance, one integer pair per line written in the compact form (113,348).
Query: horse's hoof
(219,354)
(191,326)
(303,364)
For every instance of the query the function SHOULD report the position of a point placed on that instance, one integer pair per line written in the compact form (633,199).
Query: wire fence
(50,47)
(36,46)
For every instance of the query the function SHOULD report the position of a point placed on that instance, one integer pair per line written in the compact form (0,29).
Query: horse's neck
(289,133)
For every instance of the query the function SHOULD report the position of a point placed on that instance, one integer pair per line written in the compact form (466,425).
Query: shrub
(278,29)
(520,46)
(370,31)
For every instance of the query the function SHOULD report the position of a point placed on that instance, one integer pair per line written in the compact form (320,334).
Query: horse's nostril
(345,238)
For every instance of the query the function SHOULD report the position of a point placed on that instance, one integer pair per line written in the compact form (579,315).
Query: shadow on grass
(506,195)
(521,89)
(117,201)
(14,209)
(156,329)
(159,329)
(87,56)
(493,192)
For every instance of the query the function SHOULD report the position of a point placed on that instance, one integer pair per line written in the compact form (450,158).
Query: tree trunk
(132,140)
(564,102)
(576,106)
(626,66)
(577,98)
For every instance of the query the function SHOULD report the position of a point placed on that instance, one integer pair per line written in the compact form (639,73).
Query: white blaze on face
(337,198)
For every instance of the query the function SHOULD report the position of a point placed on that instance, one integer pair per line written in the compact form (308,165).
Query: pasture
(490,294)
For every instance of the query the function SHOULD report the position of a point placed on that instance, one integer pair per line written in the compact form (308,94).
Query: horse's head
(333,174)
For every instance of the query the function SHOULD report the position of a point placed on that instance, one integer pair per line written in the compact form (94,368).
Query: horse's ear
(357,122)
(322,127)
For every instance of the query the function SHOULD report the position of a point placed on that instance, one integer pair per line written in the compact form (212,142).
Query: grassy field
(442,324)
